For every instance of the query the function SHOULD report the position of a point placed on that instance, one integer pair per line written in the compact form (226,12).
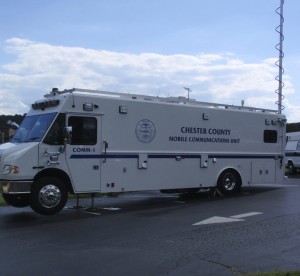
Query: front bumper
(15,187)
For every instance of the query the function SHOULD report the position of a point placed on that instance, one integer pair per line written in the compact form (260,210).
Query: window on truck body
(270,136)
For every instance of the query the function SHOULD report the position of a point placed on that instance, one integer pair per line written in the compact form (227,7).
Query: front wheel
(229,182)
(17,200)
(48,195)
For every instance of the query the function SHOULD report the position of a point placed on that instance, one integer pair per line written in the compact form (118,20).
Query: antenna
(278,63)
(188,90)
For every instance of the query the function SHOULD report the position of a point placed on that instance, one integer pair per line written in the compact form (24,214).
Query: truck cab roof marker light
(45,104)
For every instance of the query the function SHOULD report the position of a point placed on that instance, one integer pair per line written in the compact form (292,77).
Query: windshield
(33,128)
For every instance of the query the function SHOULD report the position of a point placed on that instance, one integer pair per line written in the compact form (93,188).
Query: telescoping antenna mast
(279,29)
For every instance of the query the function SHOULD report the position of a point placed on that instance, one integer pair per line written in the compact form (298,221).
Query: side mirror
(68,134)
(67,137)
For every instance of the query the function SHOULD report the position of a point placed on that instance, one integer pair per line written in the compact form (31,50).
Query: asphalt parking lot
(156,234)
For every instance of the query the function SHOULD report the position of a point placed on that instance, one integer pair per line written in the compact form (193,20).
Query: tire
(229,182)
(17,200)
(292,169)
(48,195)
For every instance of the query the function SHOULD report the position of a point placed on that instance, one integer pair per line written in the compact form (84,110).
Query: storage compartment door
(263,172)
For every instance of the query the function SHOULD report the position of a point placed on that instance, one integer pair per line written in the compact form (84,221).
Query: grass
(2,202)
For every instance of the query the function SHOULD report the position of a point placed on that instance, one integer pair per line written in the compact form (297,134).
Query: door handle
(105,148)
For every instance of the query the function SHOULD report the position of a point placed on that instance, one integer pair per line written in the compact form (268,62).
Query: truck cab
(40,166)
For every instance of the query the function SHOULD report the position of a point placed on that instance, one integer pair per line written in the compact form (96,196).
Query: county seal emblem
(145,131)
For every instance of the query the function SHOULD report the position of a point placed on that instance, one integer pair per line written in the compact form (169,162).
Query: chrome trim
(15,187)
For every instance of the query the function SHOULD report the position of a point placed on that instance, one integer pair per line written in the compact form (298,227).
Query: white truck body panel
(148,143)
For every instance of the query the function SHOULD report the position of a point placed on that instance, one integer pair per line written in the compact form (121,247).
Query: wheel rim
(49,196)
(229,181)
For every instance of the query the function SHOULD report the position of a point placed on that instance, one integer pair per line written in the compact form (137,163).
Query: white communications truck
(82,141)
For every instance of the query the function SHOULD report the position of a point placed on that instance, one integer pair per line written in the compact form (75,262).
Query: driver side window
(84,130)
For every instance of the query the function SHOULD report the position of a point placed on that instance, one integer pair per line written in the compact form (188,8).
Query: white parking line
(246,215)
(235,218)
(216,219)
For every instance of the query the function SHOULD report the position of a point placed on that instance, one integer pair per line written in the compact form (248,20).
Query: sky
(224,51)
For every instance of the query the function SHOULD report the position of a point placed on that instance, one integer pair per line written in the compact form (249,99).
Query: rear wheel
(48,195)
(291,168)
(17,200)
(229,182)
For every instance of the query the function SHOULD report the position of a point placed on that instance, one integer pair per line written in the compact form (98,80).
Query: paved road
(156,234)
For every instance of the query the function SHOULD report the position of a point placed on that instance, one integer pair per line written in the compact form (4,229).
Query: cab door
(83,152)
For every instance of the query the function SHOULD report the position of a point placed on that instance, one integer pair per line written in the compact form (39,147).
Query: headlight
(7,169)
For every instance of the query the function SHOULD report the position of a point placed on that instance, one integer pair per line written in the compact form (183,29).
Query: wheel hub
(49,196)
(229,182)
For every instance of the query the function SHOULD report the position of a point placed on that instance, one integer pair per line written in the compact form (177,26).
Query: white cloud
(222,78)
